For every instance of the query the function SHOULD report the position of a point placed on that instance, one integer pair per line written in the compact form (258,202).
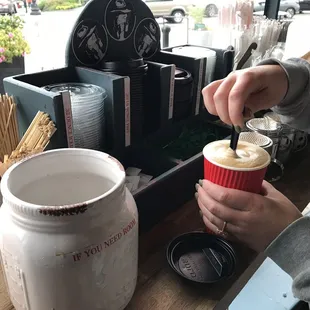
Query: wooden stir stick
(8,126)
(35,140)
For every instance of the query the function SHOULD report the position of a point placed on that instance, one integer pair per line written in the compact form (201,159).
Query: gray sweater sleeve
(294,110)
(291,251)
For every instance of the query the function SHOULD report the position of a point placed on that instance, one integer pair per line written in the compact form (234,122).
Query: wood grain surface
(5,302)
(159,288)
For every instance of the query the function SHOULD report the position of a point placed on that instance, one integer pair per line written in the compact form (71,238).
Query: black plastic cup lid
(124,65)
(201,257)
(181,73)
(182,76)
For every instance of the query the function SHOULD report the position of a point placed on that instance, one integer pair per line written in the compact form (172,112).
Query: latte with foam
(248,156)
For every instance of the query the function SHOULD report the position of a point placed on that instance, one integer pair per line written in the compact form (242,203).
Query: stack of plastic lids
(183,94)
(136,70)
(87,105)
(199,52)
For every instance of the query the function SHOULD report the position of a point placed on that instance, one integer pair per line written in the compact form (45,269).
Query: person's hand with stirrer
(265,221)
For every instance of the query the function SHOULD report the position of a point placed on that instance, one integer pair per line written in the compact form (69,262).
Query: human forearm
(294,110)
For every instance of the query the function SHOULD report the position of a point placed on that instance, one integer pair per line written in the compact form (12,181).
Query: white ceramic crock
(69,232)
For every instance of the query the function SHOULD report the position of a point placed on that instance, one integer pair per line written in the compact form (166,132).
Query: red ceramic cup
(245,179)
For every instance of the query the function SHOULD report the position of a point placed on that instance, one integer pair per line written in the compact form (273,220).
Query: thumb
(267,188)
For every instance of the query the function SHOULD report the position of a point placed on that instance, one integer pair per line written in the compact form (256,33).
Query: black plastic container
(9,69)
(136,70)
(183,94)
(201,257)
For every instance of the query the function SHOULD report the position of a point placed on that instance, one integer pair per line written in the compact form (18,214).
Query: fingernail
(247,113)
(197,186)
(200,182)
(196,196)
(237,129)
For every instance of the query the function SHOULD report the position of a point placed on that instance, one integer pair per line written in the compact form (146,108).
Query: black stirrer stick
(234,134)
(234,138)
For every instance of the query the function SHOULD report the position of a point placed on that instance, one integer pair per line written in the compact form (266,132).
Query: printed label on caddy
(66,100)
(171,95)
(127,111)
(199,86)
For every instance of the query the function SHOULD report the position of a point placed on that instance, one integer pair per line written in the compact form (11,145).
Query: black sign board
(113,30)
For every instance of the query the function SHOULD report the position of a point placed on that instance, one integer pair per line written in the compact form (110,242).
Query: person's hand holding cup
(234,199)
(243,169)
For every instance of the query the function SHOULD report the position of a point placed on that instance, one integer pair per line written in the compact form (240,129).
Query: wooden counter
(159,288)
